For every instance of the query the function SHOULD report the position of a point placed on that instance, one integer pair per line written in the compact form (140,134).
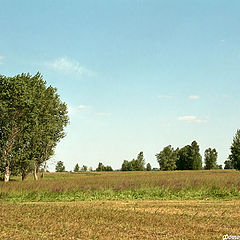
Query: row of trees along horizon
(170,159)
(32,122)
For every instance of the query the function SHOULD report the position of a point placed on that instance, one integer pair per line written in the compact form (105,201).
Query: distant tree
(196,156)
(125,166)
(228,164)
(210,158)
(60,167)
(139,163)
(234,157)
(101,167)
(76,168)
(189,157)
(219,167)
(84,168)
(149,167)
(90,169)
(108,168)
(167,158)
(134,165)
(183,158)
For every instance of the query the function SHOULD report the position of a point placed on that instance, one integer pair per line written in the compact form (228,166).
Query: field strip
(120,220)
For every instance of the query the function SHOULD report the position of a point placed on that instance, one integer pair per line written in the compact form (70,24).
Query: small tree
(140,162)
(149,167)
(210,158)
(84,168)
(228,164)
(234,157)
(76,168)
(60,167)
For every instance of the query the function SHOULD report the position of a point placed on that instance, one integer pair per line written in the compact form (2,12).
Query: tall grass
(181,185)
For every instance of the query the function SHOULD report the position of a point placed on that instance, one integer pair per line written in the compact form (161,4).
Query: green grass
(178,185)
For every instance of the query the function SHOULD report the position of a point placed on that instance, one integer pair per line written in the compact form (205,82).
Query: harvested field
(120,220)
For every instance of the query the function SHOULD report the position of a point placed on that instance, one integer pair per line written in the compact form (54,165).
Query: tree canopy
(210,158)
(134,165)
(101,168)
(234,157)
(189,157)
(60,167)
(32,121)
(167,158)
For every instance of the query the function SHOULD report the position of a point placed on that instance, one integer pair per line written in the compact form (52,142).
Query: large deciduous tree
(189,157)
(167,158)
(32,121)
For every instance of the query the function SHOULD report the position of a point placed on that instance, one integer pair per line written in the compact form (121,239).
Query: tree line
(32,121)
(186,158)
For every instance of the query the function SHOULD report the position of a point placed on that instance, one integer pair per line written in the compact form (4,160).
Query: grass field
(122,205)
(178,185)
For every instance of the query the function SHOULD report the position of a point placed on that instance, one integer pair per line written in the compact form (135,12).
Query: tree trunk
(7,174)
(35,174)
(44,169)
(23,176)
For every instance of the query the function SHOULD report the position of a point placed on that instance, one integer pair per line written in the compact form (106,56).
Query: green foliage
(32,121)
(219,166)
(149,167)
(167,158)
(125,166)
(140,162)
(189,157)
(60,167)
(134,165)
(234,157)
(101,168)
(228,164)
(76,168)
(210,158)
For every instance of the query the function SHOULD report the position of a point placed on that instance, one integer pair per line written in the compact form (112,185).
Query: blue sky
(136,75)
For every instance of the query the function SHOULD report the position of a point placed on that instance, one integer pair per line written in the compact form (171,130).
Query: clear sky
(137,75)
